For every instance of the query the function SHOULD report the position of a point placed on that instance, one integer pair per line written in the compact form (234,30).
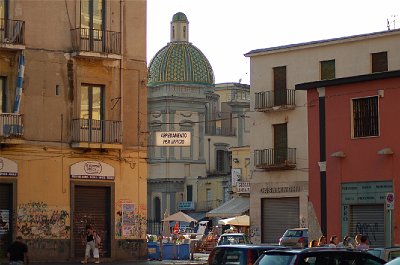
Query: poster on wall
(128,218)
(236,173)
(92,170)
(8,168)
(4,221)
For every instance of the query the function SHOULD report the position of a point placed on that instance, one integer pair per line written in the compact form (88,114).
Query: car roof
(233,234)
(299,228)
(251,246)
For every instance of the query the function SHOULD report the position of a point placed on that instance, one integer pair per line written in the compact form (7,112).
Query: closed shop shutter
(92,206)
(278,215)
(5,218)
(368,220)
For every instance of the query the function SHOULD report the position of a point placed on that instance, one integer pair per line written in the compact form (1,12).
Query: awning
(197,215)
(233,207)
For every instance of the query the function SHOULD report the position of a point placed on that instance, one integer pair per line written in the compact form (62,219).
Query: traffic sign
(390,201)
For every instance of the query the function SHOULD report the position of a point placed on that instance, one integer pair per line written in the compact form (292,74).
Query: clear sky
(224,30)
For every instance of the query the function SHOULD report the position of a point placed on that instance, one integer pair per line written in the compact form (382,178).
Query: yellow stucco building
(73,127)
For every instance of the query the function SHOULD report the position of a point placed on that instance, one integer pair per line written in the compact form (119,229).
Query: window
(189,193)
(209,198)
(379,62)
(3,11)
(365,117)
(3,94)
(280,92)
(222,161)
(280,143)
(92,102)
(92,18)
(327,69)
(157,209)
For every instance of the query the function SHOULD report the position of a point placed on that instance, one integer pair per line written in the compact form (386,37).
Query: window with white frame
(365,117)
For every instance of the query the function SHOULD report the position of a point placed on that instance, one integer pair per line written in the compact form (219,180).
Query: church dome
(180,61)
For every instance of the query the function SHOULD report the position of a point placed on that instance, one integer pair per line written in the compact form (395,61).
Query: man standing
(17,252)
(364,243)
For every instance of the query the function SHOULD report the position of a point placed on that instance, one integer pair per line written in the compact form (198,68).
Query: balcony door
(92,112)
(92,23)
(280,89)
(280,143)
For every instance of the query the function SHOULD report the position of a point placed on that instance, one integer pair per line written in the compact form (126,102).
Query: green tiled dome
(180,62)
(179,17)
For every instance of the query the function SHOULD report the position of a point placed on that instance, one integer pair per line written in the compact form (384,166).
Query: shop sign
(188,205)
(179,138)
(284,189)
(8,168)
(4,221)
(92,170)
(243,187)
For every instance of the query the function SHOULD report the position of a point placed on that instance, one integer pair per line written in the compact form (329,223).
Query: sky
(224,30)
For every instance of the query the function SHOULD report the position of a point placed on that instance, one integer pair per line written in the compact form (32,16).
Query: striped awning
(233,207)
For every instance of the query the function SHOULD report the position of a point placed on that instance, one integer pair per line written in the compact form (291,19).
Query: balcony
(220,131)
(275,159)
(95,43)
(11,128)
(275,100)
(97,134)
(12,34)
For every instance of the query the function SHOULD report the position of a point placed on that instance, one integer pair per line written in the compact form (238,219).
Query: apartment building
(73,126)
(282,196)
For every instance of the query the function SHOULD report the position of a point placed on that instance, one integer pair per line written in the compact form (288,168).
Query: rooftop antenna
(392,20)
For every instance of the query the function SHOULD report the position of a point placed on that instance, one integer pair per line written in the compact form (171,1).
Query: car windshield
(227,256)
(233,240)
(276,259)
(293,233)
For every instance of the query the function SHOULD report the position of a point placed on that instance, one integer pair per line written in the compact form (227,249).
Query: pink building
(354,148)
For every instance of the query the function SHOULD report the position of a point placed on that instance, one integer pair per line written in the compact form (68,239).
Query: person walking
(313,243)
(364,243)
(91,245)
(17,252)
(345,243)
(322,241)
(333,241)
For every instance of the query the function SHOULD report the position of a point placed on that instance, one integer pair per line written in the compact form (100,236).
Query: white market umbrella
(242,220)
(180,217)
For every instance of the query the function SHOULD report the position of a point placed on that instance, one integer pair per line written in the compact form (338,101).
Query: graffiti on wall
(37,220)
(368,229)
(130,220)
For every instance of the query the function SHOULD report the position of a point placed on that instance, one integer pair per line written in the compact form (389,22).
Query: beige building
(279,137)
(73,126)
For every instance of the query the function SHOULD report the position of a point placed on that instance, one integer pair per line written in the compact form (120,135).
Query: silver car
(296,237)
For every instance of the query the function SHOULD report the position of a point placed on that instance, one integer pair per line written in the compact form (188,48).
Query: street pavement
(198,259)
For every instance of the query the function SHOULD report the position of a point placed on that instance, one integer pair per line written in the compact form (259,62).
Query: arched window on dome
(173,32)
(184,32)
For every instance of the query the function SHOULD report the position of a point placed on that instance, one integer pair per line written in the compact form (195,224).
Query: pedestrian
(313,243)
(364,243)
(17,252)
(345,243)
(357,240)
(322,241)
(92,244)
(333,241)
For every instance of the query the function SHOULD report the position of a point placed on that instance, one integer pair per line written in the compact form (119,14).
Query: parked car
(296,237)
(237,254)
(387,254)
(318,256)
(395,261)
(233,239)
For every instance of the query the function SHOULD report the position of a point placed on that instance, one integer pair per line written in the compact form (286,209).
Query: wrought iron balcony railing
(96,131)
(220,131)
(267,100)
(11,125)
(94,40)
(12,31)
(275,159)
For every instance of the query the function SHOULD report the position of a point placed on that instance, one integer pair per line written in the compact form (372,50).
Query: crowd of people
(360,242)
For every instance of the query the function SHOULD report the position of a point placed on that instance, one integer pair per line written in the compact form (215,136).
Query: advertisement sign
(189,205)
(8,168)
(390,201)
(173,138)
(243,187)
(236,174)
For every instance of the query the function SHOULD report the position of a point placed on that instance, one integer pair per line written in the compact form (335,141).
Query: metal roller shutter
(6,206)
(92,206)
(278,215)
(368,220)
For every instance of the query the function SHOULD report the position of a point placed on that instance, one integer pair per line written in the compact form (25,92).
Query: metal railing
(284,158)
(11,125)
(273,98)
(96,131)
(12,31)
(94,40)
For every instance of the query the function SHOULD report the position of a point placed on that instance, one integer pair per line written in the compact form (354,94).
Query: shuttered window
(379,62)
(6,217)
(280,143)
(365,117)
(328,69)
(280,88)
